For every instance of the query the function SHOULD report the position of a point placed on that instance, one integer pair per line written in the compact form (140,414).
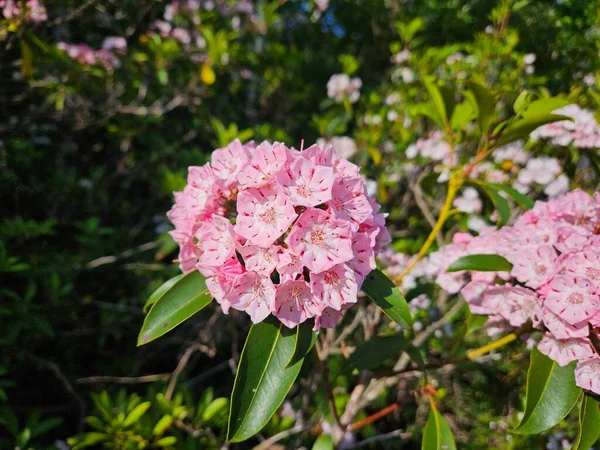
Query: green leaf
(437,434)
(500,203)
(589,424)
(374,352)
(481,263)
(525,202)
(551,394)
(323,442)
(162,425)
(436,97)
(87,440)
(214,408)
(462,115)
(136,414)
(544,106)
(387,296)
(162,290)
(521,101)
(305,340)
(521,129)
(485,106)
(167,441)
(262,380)
(184,299)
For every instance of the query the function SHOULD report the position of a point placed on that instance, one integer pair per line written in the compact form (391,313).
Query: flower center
(541,269)
(258,290)
(268,216)
(296,292)
(338,203)
(575,298)
(331,278)
(592,273)
(317,238)
(304,191)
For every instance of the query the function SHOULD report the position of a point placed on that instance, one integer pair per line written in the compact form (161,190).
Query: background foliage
(90,154)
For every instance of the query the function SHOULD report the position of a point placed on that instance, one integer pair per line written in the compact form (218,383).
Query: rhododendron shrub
(554,283)
(279,231)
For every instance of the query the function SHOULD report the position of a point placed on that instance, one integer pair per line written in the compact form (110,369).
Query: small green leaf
(184,299)
(462,115)
(305,340)
(551,394)
(136,414)
(87,440)
(485,106)
(589,424)
(525,202)
(262,380)
(437,434)
(387,296)
(436,97)
(167,441)
(521,101)
(214,408)
(323,442)
(162,290)
(375,352)
(500,203)
(481,263)
(162,425)
(521,128)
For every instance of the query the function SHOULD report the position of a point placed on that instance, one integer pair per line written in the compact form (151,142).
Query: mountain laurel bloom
(279,231)
(555,281)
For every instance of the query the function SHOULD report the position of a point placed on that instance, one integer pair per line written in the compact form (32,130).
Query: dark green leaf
(184,299)
(522,200)
(305,340)
(387,296)
(324,442)
(521,128)
(262,380)
(589,424)
(500,203)
(485,106)
(437,434)
(551,394)
(162,289)
(481,263)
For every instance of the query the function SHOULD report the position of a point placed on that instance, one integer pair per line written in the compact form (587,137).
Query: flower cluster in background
(279,231)
(341,87)
(582,132)
(554,282)
(29,11)
(106,56)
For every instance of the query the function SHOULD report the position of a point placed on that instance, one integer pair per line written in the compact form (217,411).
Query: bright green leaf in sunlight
(387,296)
(437,434)
(481,263)
(589,424)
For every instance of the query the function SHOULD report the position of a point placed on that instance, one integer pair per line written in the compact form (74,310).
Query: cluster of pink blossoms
(554,283)
(279,231)
(106,56)
(33,10)
(582,132)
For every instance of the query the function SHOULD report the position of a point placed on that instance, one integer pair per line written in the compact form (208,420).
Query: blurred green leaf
(437,434)
(323,442)
(387,296)
(589,424)
(136,414)
(485,104)
(481,263)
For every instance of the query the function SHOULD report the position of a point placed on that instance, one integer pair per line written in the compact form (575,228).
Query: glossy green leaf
(184,299)
(485,106)
(262,380)
(500,203)
(481,263)
(522,200)
(136,414)
(437,434)
(323,442)
(374,352)
(436,97)
(551,394)
(305,340)
(387,296)
(589,424)
(521,128)
(162,290)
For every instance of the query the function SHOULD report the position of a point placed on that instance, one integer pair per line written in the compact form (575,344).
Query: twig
(322,357)
(373,417)
(381,438)
(182,363)
(124,380)
(267,443)
(422,204)
(126,254)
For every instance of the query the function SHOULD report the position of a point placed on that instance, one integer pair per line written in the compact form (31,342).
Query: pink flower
(328,318)
(587,374)
(364,256)
(253,293)
(348,201)
(260,259)
(534,266)
(561,329)
(220,285)
(228,162)
(520,306)
(263,215)
(564,351)
(268,159)
(216,242)
(201,189)
(289,265)
(321,240)
(305,183)
(573,299)
(335,287)
(295,303)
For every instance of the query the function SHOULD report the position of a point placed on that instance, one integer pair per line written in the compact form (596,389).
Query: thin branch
(183,362)
(380,438)
(124,380)
(267,443)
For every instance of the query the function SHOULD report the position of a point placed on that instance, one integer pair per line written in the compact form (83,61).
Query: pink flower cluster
(582,132)
(33,11)
(106,56)
(554,282)
(279,231)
